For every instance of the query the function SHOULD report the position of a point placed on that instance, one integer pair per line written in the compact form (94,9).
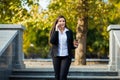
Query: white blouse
(62,46)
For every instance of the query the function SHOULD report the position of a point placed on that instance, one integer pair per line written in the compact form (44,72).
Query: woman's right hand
(57,26)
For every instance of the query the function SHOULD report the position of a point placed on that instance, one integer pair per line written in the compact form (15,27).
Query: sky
(44,3)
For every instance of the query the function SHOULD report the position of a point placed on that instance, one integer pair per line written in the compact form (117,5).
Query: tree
(97,16)
(81,35)
(8,9)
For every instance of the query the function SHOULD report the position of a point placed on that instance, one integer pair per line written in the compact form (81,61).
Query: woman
(61,39)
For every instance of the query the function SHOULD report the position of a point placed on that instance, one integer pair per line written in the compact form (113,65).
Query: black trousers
(61,67)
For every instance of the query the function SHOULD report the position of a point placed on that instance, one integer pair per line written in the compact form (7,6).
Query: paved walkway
(47,64)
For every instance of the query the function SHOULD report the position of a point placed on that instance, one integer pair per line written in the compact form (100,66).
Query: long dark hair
(54,25)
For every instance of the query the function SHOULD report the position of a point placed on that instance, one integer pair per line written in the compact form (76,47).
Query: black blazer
(54,41)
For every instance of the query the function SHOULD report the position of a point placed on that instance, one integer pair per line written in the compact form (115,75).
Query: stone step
(50,72)
(36,77)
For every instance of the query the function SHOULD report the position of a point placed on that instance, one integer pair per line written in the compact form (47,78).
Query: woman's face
(61,22)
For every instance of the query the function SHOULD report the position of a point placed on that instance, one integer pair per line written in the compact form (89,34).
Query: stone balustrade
(11,55)
(114,47)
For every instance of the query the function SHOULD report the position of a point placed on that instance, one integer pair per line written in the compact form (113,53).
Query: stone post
(113,47)
(19,56)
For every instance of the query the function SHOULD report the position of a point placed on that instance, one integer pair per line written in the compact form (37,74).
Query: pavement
(47,64)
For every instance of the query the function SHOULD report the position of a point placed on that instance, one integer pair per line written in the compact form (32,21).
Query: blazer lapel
(68,35)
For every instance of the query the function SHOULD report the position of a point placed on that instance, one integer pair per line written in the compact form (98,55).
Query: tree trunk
(81,35)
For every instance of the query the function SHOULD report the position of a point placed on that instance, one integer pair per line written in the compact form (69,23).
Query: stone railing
(11,55)
(114,47)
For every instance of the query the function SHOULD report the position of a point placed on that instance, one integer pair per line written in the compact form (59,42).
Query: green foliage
(38,22)
(66,8)
(97,12)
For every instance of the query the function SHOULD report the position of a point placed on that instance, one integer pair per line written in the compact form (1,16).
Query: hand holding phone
(57,26)
(75,43)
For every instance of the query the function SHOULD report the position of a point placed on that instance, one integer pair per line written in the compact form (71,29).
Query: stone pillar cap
(11,27)
(113,27)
